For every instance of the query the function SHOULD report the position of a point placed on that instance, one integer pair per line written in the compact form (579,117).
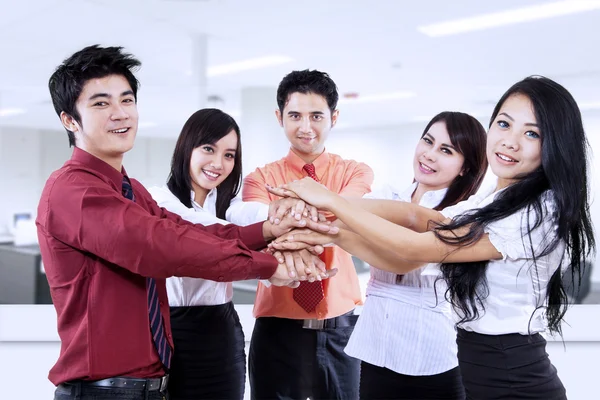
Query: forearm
(401,213)
(375,255)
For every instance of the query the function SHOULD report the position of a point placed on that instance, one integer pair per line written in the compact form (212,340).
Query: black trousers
(287,361)
(511,366)
(80,392)
(378,383)
(209,361)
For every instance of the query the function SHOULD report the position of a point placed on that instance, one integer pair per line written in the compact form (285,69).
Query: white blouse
(517,289)
(196,291)
(405,326)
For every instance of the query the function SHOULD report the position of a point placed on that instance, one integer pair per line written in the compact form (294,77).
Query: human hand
(299,266)
(271,231)
(298,239)
(306,189)
(297,208)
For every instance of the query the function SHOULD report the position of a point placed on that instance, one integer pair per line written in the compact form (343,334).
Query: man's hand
(271,231)
(298,268)
(295,207)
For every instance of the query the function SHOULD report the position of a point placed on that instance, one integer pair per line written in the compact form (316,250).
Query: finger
(307,259)
(280,191)
(331,273)
(314,213)
(289,246)
(280,213)
(294,284)
(322,218)
(319,264)
(302,270)
(289,263)
(279,256)
(299,209)
(322,227)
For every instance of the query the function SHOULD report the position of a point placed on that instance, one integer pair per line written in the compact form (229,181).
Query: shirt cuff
(252,236)
(264,265)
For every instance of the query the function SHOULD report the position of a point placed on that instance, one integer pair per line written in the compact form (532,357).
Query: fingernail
(271,220)
(277,221)
(292,274)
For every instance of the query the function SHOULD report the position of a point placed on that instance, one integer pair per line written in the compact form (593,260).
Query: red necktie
(309,294)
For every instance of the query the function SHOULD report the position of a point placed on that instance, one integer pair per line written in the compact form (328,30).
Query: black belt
(344,320)
(119,382)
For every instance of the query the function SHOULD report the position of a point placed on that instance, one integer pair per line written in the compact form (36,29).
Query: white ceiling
(368,47)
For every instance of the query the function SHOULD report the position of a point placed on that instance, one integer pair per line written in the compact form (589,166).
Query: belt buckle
(163,383)
(313,324)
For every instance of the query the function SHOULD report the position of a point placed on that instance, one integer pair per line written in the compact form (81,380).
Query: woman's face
(437,163)
(514,142)
(211,164)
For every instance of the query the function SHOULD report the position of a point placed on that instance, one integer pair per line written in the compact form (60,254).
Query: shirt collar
(429,199)
(93,162)
(297,163)
(211,198)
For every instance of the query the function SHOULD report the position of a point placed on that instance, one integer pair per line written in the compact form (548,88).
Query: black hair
(206,126)
(468,136)
(562,176)
(92,62)
(305,82)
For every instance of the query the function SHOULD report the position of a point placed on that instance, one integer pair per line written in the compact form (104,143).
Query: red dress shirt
(98,247)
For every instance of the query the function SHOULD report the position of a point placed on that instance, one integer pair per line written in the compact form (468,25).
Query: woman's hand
(308,190)
(298,239)
(297,208)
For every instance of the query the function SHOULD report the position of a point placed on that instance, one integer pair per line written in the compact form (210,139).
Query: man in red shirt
(107,247)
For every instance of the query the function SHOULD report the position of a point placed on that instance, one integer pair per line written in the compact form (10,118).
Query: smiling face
(436,162)
(211,164)
(109,119)
(307,120)
(514,143)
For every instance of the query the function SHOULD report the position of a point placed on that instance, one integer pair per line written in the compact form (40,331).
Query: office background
(396,63)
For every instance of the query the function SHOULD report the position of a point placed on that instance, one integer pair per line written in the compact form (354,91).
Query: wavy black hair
(563,173)
(206,126)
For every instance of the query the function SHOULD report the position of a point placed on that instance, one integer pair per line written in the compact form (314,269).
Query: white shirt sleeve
(246,213)
(164,198)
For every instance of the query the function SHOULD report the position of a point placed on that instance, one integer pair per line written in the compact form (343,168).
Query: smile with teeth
(211,174)
(426,168)
(505,158)
(123,130)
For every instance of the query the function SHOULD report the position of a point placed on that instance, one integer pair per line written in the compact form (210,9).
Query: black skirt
(209,361)
(511,366)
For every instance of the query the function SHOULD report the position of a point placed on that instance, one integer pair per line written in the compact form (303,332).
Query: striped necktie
(155,316)
(309,294)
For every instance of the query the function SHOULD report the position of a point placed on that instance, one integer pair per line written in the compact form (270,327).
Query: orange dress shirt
(342,292)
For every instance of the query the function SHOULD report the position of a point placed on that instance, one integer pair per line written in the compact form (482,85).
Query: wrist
(267,231)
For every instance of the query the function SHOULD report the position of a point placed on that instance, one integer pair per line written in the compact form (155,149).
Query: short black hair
(305,82)
(92,62)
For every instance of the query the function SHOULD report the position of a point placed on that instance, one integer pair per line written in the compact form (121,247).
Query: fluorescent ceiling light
(7,112)
(373,98)
(509,17)
(253,63)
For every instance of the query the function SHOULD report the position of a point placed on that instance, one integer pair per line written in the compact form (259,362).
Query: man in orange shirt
(297,347)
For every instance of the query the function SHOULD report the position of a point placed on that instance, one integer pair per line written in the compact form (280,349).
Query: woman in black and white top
(504,249)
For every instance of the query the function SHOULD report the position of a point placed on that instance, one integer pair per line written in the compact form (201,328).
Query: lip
(512,161)
(423,168)
(307,138)
(211,178)
(127,129)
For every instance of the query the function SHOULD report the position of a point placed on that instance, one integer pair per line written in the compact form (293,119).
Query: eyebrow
(97,95)
(310,112)
(443,144)
(513,120)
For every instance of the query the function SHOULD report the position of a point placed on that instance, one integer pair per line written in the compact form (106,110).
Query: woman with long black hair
(503,251)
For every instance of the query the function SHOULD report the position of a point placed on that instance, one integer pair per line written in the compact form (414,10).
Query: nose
(429,154)
(216,162)
(119,113)
(511,141)
(305,126)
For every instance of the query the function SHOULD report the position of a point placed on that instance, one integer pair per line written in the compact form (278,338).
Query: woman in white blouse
(209,361)
(504,249)
(405,336)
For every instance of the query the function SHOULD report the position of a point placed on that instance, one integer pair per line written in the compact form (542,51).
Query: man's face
(109,118)
(307,120)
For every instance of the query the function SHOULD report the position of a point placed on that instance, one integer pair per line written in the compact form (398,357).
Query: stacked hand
(302,262)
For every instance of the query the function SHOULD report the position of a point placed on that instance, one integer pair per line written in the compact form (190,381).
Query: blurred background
(396,64)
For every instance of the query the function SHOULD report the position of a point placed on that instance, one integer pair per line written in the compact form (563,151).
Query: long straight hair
(563,172)
(206,126)
(468,136)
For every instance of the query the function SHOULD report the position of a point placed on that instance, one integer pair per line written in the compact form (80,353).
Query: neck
(308,158)
(200,195)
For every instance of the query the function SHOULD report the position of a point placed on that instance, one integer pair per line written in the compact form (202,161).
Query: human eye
(129,100)
(208,149)
(317,117)
(447,151)
(426,140)
(503,124)
(100,104)
(230,155)
(532,134)
(294,116)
